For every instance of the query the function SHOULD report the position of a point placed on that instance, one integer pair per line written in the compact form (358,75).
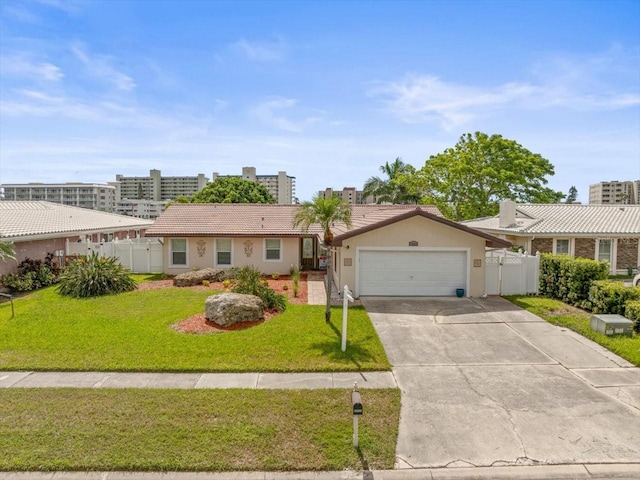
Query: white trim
(467,252)
(613,252)
(215,252)
(569,247)
(264,250)
(186,252)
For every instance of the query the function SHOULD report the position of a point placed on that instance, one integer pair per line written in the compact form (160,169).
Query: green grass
(132,332)
(559,313)
(214,430)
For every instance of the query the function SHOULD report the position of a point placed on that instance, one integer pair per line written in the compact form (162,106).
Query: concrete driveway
(485,383)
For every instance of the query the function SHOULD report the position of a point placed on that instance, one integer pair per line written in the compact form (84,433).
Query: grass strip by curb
(563,315)
(195,430)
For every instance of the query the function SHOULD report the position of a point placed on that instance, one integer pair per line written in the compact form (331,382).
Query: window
(604,250)
(562,246)
(272,247)
(223,252)
(179,251)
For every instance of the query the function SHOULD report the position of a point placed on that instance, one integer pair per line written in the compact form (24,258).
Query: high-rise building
(349,195)
(281,186)
(94,196)
(156,187)
(626,193)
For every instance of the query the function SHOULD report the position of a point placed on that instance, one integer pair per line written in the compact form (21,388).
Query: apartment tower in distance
(624,193)
(349,195)
(93,196)
(158,188)
(281,186)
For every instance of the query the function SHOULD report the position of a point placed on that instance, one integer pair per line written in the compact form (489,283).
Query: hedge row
(569,279)
(632,312)
(611,297)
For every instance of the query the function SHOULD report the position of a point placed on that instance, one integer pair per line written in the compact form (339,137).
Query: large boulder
(190,279)
(226,309)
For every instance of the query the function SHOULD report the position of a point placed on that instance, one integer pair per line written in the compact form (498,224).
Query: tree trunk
(328,284)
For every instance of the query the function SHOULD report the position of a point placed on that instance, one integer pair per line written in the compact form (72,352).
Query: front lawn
(214,430)
(132,332)
(559,313)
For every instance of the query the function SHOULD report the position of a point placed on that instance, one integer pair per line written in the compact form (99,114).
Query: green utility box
(611,324)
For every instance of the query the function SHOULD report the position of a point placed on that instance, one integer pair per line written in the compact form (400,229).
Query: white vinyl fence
(511,273)
(140,255)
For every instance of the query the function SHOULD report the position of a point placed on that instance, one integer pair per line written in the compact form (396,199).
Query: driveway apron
(485,383)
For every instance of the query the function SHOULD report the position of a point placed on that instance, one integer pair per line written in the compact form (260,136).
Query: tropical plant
(33,274)
(95,276)
(324,212)
(391,190)
(250,282)
(294,273)
(7,250)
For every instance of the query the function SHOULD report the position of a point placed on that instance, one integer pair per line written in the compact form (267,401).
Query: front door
(308,250)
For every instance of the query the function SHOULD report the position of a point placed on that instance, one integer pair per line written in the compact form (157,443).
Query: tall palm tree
(390,190)
(324,212)
(7,250)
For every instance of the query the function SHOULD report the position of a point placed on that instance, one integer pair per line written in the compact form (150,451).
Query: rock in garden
(226,309)
(190,279)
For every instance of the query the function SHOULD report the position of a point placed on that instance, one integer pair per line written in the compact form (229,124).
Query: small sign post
(346,297)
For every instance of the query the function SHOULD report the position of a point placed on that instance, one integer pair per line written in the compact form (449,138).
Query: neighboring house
(39,228)
(390,250)
(599,232)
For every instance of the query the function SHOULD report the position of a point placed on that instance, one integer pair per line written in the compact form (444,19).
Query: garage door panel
(411,273)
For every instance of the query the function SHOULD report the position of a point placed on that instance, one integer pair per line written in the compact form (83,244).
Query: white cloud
(598,83)
(100,66)
(268,113)
(24,65)
(262,51)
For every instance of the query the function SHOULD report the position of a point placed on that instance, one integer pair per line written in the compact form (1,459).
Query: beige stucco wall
(428,234)
(245,252)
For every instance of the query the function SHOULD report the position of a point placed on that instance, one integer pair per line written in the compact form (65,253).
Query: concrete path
(485,383)
(196,380)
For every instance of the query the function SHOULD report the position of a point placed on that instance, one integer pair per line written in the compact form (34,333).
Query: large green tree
(469,180)
(233,190)
(324,212)
(390,189)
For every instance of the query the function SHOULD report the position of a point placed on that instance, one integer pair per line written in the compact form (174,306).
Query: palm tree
(7,250)
(324,212)
(391,190)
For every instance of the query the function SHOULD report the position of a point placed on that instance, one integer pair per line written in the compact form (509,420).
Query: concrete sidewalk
(556,472)
(196,380)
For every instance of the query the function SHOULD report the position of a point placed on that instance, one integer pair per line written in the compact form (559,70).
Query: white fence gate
(511,273)
(140,255)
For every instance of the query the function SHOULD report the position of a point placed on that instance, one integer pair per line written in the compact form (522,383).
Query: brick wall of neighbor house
(627,253)
(36,249)
(542,245)
(585,248)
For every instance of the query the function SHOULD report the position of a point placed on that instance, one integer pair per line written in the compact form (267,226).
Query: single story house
(600,232)
(37,228)
(390,250)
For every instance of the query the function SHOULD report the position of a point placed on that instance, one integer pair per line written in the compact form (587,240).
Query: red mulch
(199,324)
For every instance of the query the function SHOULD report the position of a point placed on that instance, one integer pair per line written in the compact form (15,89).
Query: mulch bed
(200,325)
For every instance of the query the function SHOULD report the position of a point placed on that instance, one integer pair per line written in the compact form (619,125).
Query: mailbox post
(356,405)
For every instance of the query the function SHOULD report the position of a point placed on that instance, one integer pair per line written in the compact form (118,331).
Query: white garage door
(411,273)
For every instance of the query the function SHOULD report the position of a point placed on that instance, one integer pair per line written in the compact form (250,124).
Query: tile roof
(567,219)
(242,219)
(21,220)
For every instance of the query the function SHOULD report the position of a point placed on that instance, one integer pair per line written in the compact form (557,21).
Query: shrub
(294,272)
(632,312)
(94,276)
(607,296)
(285,287)
(569,279)
(33,274)
(249,281)
(226,283)
(275,276)
(206,283)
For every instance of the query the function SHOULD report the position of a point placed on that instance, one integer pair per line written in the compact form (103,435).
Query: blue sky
(327,91)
